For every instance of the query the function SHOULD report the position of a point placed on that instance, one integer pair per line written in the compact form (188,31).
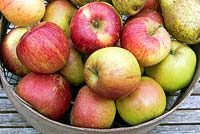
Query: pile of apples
(120,66)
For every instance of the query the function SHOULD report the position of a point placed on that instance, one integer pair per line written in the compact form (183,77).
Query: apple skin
(73,70)
(112,72)
(147,102)
(92,111)
(49,94)
(100,22)
(148,40)
(152,14)
(80,3)
(22,12)
(44,49)
(60,12)
(151,4)
(8,52)
(176,71)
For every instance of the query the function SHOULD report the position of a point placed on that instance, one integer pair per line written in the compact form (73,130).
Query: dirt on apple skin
(92,111)
(49,94)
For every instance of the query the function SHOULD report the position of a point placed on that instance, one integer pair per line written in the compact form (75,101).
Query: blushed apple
(44,49)
(147,102)
(95,25)
(22,12)
(148,40)
(151,4)
(176,71)
(49,94)
(60,12)
(152,14)
(112,72)
(8,52)
(73,70)
(92,111)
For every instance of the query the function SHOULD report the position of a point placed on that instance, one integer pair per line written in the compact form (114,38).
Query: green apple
(146,102)
(73,71)
(60,12)
(91,110)
(176,71)
(112,72)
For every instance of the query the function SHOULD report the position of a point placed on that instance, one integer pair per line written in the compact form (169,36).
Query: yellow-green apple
(112,72)
(152,14)
(8,52)
(151,4)
(148,40)
(92,111)
(22,12)
(49,94)
(176,71)
(44,49)
(73,70)
(60,12)
(95,25)
(147,102)
(129,7)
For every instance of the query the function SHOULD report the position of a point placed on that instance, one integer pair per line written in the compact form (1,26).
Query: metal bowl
(45,125)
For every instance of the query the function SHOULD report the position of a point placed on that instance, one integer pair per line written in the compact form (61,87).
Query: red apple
(151,4)
(152,14)
(44,49)
(148,101)
(60,12)
(8,52)
(22,12)
(95,25)
(49,94)
(92,111)
(148,40)
(112,72)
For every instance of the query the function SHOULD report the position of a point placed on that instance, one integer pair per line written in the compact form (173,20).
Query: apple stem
(153,31)
(95,23)
(92,70)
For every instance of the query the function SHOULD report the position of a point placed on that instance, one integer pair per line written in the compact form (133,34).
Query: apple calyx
(95,23)
(172,52)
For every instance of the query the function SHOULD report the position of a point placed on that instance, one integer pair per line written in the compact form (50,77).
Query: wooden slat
(178,129)
(12,119)
(19,131)
(192,102)
(6,105)
(183,117)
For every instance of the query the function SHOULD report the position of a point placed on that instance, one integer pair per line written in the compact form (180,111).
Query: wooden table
(185,120)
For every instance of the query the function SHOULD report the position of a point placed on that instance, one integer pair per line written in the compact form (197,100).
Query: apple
(112,72)
(95,25)
(129,7)
(91,110)
(148,40)
(73,70)
(147,102)
(44,49)
(151,4)
(22,12)
(49,94)
(60,12)
(152,14)
(8,52)
(176,71)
